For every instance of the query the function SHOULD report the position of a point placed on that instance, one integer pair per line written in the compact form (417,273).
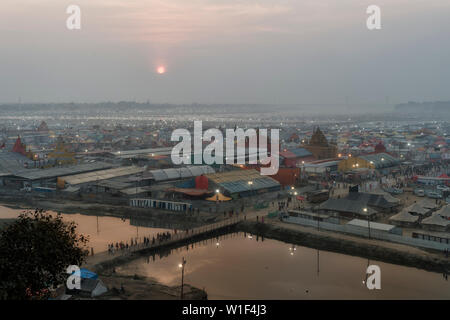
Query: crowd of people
(145,241)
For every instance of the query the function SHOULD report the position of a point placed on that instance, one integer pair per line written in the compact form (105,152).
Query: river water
(100,229)
(242,266)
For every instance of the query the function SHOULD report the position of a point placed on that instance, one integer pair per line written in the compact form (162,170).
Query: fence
(180,236)
(349,229)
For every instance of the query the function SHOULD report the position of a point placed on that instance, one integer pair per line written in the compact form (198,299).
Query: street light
(181,266)
(368,221)
(295,197)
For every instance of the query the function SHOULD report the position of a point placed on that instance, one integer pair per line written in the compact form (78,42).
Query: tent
(417,209)
(89,288)
(218,197)
(86,274)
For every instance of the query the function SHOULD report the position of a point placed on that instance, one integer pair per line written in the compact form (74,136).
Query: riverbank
(362,247)
(141,288)
(371,249)
(178,220)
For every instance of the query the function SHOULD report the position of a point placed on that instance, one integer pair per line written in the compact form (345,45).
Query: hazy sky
(225,51)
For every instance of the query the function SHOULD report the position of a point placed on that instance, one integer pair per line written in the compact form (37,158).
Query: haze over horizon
(225,51)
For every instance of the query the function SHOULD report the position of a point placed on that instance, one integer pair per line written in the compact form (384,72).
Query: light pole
(368,220)
(295,198)
(217,200)
(250,183)
(181,266)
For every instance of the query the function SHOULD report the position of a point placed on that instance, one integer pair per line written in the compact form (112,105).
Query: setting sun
(161,70)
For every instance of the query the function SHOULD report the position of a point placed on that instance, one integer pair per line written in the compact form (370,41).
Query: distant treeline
(424,107)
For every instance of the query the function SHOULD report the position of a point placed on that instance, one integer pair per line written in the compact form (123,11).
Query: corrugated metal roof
(373,225)
(132,191)
(102,175)
(346,205)
(404,216)
(159,175)
(436,219)
(173,173)
(35,174)
(301,152)
(180,173)
(113,184)
(295,153)
(12,161)
(149,152)
(237,181)
(381,160)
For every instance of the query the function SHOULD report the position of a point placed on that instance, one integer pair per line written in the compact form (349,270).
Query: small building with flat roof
(376,226)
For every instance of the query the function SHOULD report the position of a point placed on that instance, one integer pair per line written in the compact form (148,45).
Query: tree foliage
(35,252)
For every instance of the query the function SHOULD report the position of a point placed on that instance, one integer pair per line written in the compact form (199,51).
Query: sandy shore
(140,288)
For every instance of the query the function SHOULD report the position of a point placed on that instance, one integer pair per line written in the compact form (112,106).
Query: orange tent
(218,197)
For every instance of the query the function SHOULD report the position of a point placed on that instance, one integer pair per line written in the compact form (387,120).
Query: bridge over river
(106,259)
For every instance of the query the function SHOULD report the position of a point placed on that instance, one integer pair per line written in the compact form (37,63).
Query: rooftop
(102,175)
(373,225)
(238,180)
(380,160)
(35,174)
(180,173)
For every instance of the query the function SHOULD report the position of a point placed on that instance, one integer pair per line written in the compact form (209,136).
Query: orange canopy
(218,197)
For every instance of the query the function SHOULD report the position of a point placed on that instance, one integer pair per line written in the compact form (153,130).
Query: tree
(35,252)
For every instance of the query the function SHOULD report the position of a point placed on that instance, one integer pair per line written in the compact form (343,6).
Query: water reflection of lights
(292,249)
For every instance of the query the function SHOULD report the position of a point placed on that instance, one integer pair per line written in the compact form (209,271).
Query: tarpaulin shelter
(86,274)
